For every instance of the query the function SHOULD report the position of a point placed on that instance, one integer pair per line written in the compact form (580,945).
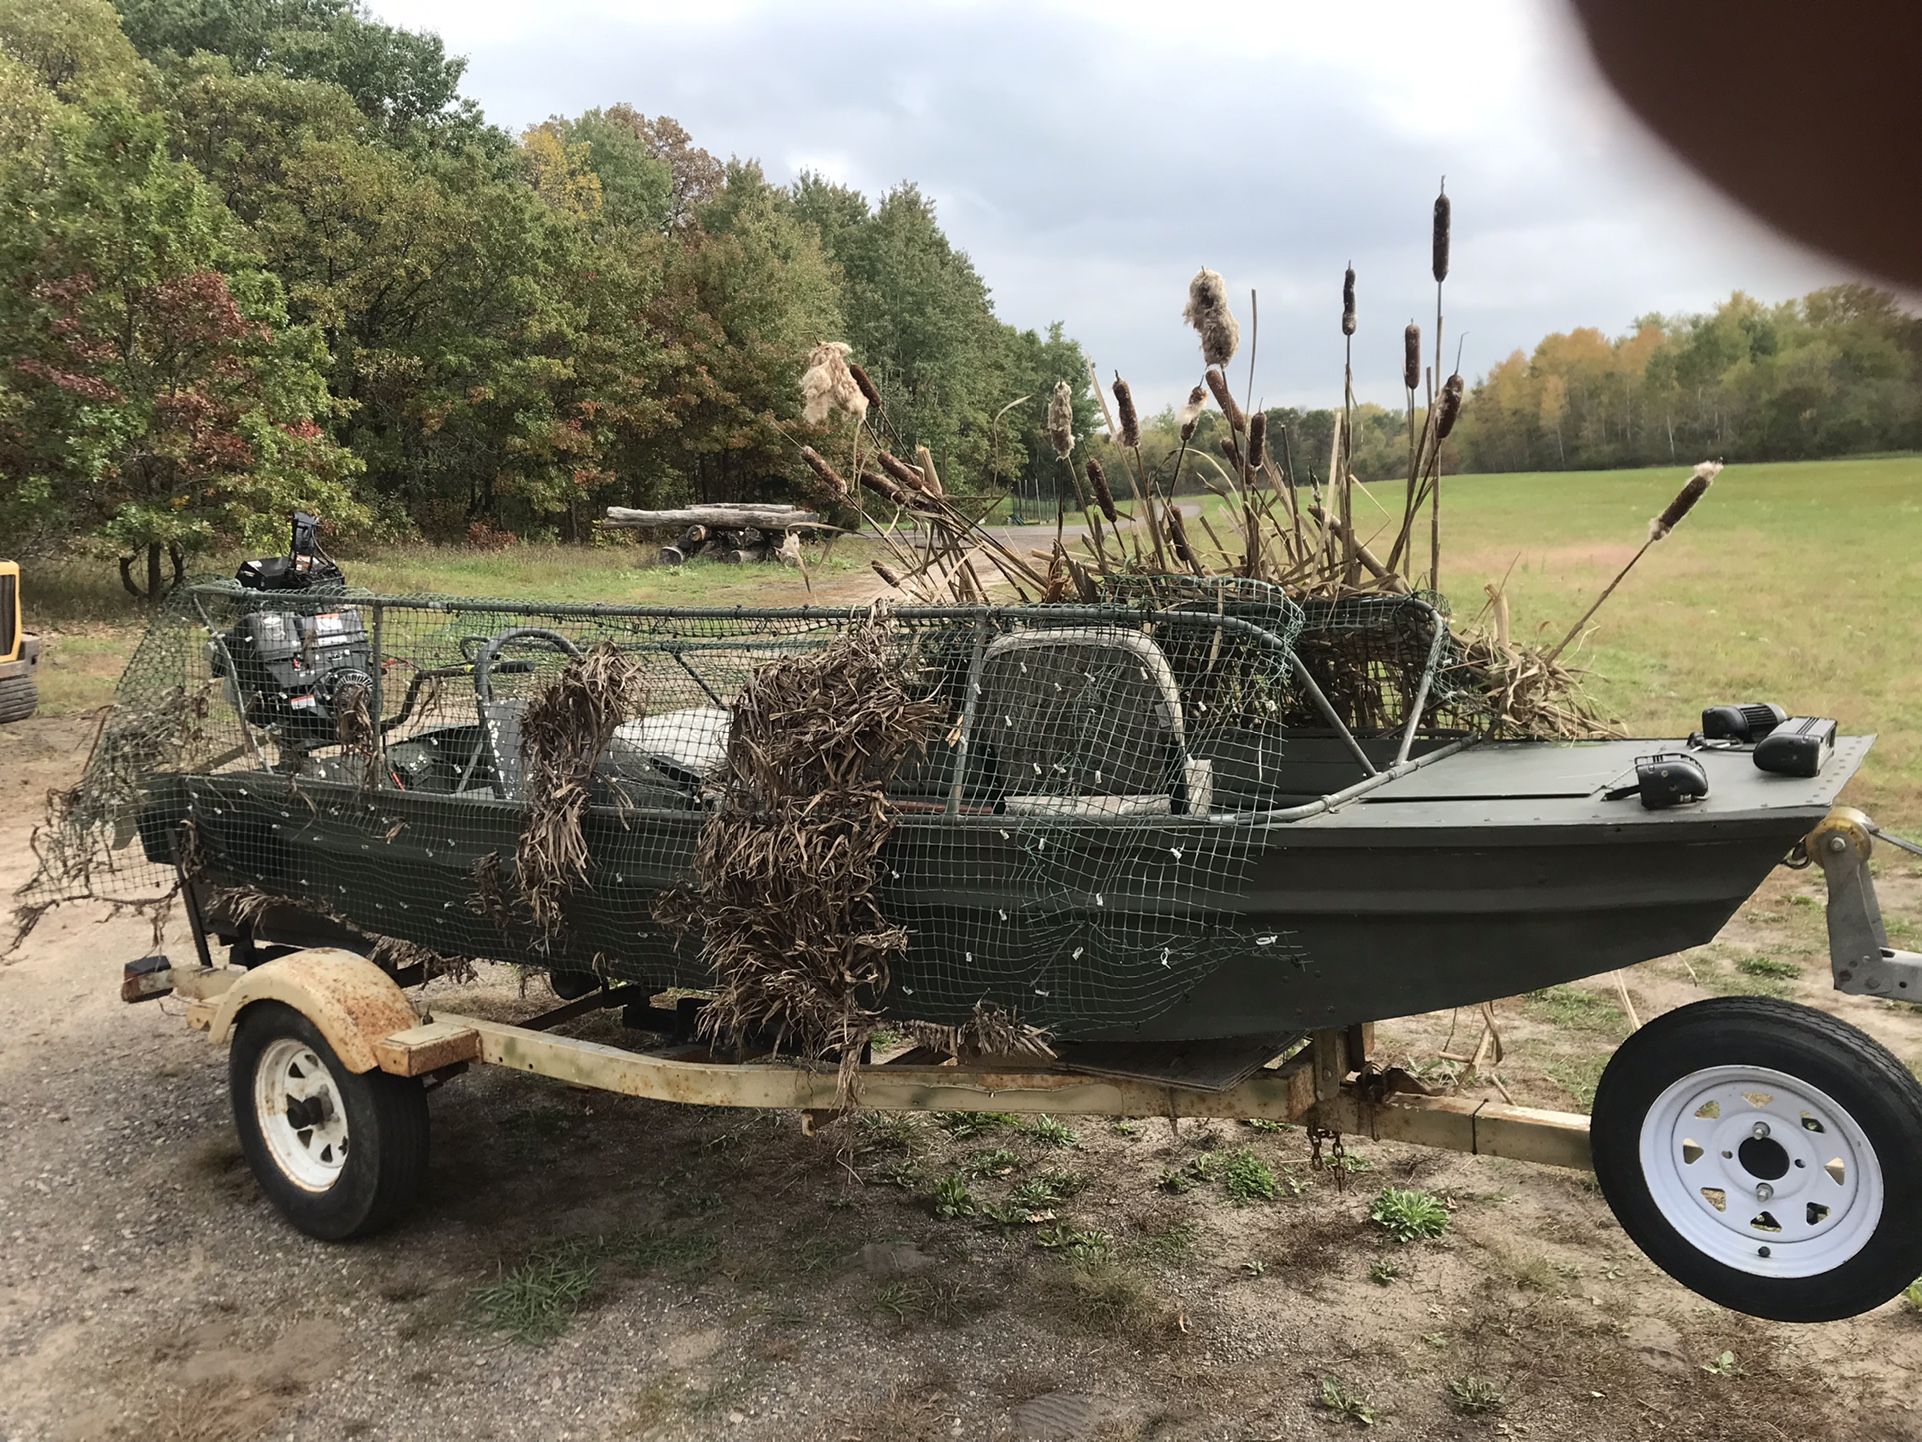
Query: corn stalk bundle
(784,899)
(563,731)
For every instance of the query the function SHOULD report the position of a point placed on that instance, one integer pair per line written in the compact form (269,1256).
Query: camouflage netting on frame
(1073,845)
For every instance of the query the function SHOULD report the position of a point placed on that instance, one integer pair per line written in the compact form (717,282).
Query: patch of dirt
(148,1292)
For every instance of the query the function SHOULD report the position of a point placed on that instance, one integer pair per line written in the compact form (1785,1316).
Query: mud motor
(301,670)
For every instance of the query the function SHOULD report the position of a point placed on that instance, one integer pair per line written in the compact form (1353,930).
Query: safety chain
(1337,1154)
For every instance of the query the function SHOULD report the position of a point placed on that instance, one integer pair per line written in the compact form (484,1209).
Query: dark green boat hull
(1494,872)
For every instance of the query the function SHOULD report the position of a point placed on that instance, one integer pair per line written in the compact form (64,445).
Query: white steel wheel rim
(302,1118)
(1761,1171)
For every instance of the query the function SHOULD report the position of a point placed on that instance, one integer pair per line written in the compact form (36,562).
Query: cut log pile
(735,534)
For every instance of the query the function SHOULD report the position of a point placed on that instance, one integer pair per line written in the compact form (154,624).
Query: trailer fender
(353,1002)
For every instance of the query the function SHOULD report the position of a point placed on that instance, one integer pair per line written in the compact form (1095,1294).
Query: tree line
(1835,372)
(264,253)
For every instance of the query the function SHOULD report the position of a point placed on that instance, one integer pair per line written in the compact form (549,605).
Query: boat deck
(1521,782)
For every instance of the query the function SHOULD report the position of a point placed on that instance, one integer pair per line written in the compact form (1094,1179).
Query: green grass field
(1800,583)
(1797,583)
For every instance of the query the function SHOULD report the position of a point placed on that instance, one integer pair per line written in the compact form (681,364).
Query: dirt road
(592,1267)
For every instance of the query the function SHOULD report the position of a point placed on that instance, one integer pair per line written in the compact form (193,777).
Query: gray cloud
(1090,159)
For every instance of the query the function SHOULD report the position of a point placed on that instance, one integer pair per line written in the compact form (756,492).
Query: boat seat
(655,761)
(1081,722)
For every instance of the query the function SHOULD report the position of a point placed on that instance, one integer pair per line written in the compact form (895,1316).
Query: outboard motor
(297,672)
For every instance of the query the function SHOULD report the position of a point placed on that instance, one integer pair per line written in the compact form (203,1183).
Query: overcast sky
(1091,157)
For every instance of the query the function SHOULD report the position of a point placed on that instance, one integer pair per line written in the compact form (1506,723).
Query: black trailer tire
(19,698)
(1767,1156)
(359,1162)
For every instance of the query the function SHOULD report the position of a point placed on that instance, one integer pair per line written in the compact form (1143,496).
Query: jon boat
(1111,845)
(1197,835)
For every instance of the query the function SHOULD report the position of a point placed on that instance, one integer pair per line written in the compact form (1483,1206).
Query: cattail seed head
(827,385)
(900,470)
(884,488)
(1231,448)
(1207,311)
(930,478)
(1692,491)
(1098,482)
(1124,404)
(1348,302)
(1178,535)
(1411,356)
(1257,439)
(1191,413)
(829,476)
(887,573)
(1448,407)
(1225,398)
(864,385)
(1061,419)
(1444,214)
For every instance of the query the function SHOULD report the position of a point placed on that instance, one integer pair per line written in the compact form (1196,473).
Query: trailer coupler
(1860,957)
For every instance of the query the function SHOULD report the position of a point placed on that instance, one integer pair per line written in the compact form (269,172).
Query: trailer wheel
(1766,1156)
(340,1153)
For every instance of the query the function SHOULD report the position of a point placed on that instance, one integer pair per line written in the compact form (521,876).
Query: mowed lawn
(1796,583)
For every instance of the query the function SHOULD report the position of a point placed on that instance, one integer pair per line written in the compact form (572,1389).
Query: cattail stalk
(1098,481)
(1207,311)
(1692,491)
(865,385)
(901,471)
(1230,408)
(1257,440)
(1444,223)
(1190,415)
(930,478)
(829,476)
(1124,401)
(1345,477)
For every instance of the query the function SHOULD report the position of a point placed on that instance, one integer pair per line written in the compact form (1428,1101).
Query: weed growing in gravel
(1047,1131)
(1409,1215)
(535,1301)
(962,1125)
(1338,1398)
(1075,1244)
(1912,1294)
(1246,1178)
(1383,1272)
(990,1162)
(890,1132)
(951,1198)
(1476,1396)
(1126,1127)
(1103,1297)
(1264,1124)
(1254,1267)
(1725,1365)
(1171,1243)
(1243,1176)
(945,1302)
(1768,966)
(657,1249)
(1179,1179)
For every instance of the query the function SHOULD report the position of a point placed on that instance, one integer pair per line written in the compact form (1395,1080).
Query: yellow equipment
(19,652)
